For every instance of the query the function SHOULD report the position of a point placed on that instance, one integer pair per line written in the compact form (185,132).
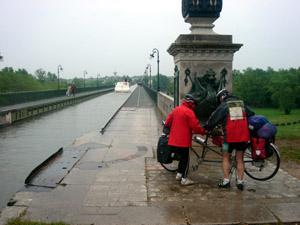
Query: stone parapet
(165,103)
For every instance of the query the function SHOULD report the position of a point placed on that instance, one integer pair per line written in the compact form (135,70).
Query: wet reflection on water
(25,145)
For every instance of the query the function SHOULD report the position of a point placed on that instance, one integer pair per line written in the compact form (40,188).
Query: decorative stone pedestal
(203,61)
(201,54)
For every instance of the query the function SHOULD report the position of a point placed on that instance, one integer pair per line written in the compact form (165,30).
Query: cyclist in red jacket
(232,115)
(183,122)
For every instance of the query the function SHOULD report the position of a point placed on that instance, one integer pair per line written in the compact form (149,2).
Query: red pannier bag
(218,140)
(258,146)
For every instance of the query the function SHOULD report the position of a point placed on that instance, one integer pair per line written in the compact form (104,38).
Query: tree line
(268,88)
(21,80)
(257,87)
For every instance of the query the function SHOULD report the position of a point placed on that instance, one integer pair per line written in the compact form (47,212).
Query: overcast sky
(103,36)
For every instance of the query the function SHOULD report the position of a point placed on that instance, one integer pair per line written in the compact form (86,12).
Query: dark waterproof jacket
(234,130)
(183,122)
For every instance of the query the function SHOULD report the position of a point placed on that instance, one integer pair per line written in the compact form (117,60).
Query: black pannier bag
(164,154)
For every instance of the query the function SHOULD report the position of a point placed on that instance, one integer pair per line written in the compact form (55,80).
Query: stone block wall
(165,103)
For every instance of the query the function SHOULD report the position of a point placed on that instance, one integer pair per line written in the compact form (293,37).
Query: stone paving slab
(162,185)
(286,212)
(271,201)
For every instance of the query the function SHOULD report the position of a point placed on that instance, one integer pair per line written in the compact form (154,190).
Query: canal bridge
(112,177)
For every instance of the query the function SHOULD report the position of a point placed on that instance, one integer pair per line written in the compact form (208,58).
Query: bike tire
(171,167)
(264,169)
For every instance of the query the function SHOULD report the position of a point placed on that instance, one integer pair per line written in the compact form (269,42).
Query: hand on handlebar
(214,132)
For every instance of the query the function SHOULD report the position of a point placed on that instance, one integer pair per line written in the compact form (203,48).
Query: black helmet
(190,98)
(222,93)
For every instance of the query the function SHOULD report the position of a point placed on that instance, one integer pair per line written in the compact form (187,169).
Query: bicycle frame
(259,170)
(207,148)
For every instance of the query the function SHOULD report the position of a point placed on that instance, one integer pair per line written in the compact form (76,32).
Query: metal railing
(12,98)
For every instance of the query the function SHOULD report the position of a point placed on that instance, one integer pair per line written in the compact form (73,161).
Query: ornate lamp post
(59,68)
(84,73)
(149,68)
(155,51)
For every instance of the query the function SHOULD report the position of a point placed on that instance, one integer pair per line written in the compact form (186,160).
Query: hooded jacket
(183,122)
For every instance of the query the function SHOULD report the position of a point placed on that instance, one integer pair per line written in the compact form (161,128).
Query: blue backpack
(261,127)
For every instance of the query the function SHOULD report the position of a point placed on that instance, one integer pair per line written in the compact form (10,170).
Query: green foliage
(165,84)
(41,75)
(284,88)
(51,77)
(19,80)
(268,88)
(251,86)
(78,82)
(277,116)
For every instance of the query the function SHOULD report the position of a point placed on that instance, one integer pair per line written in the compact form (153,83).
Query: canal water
(26,144)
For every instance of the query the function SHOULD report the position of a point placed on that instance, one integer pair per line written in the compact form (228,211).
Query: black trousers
(184,159)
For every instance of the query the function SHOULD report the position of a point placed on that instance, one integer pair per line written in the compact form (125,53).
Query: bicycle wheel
(262,169)
(171,167)
(194,162)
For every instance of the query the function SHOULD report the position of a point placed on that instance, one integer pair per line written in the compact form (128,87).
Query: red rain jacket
(183,122)
(237,130)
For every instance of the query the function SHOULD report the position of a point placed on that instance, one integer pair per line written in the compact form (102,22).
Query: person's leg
(179,173)
(240,165)
(184,161)
(226,151)
(226,164)
(183,166)
(225,182)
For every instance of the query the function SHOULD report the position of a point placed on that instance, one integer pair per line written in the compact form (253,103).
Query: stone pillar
(201,53)
(203,58)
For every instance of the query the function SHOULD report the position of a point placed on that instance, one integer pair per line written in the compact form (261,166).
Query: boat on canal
(122,86)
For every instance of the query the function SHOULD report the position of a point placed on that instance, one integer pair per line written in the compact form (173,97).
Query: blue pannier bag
(267,131)
(256,122)
(261,127)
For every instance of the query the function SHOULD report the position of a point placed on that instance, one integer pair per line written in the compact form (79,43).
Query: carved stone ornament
(205,88)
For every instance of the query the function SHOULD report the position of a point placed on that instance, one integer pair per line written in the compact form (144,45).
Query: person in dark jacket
(232,115)
(183,122)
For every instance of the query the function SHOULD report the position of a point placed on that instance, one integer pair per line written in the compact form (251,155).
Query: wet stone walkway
(162,185)
(119,182)
(273,201)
